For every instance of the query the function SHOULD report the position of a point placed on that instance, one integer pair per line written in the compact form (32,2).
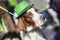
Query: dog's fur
(28,22)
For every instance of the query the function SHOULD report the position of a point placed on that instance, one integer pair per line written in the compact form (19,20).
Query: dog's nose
(42,17)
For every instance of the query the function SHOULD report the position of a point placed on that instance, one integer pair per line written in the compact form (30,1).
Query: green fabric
(3,25)
(21,8)
(13,2)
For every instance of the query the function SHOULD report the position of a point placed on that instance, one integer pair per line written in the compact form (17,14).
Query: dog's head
(30,18)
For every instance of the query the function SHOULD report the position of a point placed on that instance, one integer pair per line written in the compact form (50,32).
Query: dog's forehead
(31,10)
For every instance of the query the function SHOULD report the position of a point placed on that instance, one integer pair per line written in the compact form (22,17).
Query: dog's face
(36,17)
(30,18)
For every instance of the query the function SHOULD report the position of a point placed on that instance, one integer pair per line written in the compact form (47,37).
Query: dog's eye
(30,14)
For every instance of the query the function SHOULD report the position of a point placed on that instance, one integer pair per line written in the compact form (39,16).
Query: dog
(27,24)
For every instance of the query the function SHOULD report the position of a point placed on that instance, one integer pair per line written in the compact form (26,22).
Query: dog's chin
(29,28)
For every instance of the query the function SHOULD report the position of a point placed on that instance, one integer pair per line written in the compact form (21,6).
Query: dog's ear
(20,25)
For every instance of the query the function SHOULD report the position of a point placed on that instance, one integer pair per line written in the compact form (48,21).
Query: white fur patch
(29,28)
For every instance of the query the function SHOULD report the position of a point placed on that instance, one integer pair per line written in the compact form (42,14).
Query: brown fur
(24,21)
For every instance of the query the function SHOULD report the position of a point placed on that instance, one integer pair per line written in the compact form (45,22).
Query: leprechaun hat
(22,7)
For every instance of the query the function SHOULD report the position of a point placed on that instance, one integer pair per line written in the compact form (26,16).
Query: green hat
(13,2)
(22,7)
